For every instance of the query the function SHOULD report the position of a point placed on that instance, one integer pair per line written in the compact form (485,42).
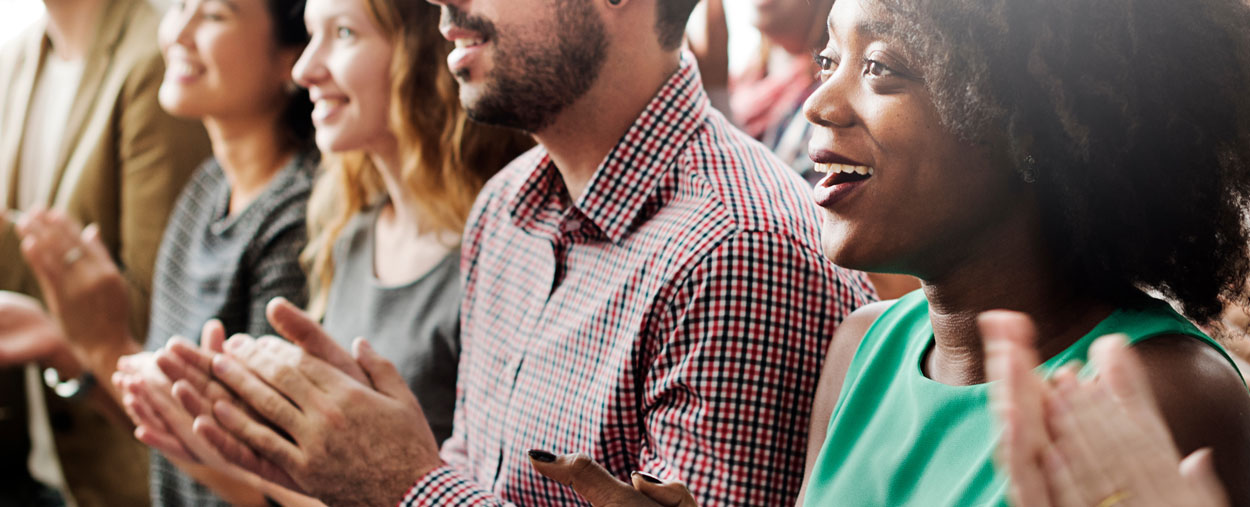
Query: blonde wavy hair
(445,157)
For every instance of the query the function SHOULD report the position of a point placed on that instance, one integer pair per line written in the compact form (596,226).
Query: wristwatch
(70,389)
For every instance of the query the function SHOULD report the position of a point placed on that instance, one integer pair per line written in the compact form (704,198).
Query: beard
(534,80)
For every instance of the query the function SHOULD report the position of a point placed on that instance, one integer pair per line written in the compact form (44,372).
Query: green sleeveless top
(899,438)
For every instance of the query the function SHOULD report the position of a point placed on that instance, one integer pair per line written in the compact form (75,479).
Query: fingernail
(648,477)
(542,456)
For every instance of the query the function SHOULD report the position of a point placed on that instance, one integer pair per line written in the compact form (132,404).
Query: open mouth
(467,43)
(843,173)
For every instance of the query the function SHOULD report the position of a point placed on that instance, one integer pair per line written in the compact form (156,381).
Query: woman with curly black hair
(1059,158)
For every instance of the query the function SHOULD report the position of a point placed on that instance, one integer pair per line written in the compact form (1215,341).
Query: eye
(343,32)
(875,68)
(826,64)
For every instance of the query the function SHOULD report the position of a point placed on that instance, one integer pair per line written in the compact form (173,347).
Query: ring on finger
(72,255)
(1114,498)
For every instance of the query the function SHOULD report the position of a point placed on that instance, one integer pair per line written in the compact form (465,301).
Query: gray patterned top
(211,265)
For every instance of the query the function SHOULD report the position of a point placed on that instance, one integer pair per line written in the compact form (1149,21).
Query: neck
(72,25)
(1011,271)
(585,132)
(250,152)
(406,214)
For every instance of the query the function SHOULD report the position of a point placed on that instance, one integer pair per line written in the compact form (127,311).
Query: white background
(17,15)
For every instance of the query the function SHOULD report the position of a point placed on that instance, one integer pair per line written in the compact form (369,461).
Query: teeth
(181,69)
(465,43)
(844,168)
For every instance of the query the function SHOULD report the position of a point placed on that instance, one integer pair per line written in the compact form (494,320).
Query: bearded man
(646,286)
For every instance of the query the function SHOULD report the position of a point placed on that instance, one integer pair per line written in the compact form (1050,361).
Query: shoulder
(1204,402)
(1196,386)
(756,189)
(846,341)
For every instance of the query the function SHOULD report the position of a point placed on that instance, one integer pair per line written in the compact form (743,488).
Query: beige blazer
(122,165)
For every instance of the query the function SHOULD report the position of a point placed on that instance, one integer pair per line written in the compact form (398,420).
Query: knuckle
(581,463)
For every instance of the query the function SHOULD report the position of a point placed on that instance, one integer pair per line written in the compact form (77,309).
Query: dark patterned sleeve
(735,358)
(276,273)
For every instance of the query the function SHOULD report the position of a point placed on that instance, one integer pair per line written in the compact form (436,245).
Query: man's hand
(1074,442)
(601,489)
(354,439)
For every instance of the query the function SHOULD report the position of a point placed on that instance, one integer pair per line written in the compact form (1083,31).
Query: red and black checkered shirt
(672,320)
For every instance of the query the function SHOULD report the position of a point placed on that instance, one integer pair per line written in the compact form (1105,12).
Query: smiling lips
(841,181)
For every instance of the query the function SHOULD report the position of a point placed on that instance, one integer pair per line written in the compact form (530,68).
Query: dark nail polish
(648,477)
(542,456)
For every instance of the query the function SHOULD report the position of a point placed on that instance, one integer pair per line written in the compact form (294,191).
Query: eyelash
(343,32)
(873,68)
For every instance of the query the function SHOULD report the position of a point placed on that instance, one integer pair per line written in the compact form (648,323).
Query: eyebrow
(229,3)
(878,29)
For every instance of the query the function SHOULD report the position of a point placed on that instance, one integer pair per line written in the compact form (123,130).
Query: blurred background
(19,14)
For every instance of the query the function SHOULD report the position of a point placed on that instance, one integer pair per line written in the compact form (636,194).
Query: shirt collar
(619,190)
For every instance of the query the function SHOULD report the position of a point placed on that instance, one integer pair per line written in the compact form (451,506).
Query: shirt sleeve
(276,273)
(735,359)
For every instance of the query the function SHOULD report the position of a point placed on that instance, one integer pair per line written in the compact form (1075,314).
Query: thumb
(668,494)
(1198,469)
(382,373)
(295,325)
(91,238)
(213,338)
(587,478)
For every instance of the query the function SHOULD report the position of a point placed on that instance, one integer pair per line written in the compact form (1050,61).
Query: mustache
(456,17)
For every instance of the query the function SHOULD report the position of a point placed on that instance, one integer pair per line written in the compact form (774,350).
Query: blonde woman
(404,165)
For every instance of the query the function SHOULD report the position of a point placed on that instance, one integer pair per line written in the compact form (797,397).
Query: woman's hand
(29,334)
(601,489)
(82,287)
(1082,442)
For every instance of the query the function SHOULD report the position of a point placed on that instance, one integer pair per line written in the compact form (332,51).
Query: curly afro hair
(1131,117)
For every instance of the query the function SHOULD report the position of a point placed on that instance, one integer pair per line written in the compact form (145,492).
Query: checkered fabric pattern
(672,320)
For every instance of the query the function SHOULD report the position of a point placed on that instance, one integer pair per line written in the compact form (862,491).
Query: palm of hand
(27,333)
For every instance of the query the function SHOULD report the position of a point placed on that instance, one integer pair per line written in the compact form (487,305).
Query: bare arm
(842,349)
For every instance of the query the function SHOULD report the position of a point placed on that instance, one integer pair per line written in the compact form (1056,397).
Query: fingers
(257,394)
(382,373)
(587,478)
(296,375)
(235,451)
(1122,372)
(1073,420)
(296,326)
(261,441)
(667,494)
(213,337)
(1016,397)
(1198,470)
(164,443)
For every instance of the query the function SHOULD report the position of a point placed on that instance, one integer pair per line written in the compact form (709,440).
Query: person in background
(1038,156)
(766,99)
(387,212)
(231,244)
(81,132)
(623,290)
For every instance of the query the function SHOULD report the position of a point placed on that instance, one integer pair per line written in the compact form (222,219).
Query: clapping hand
(1078,442)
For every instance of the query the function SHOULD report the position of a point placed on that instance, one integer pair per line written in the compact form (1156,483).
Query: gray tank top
(415,325)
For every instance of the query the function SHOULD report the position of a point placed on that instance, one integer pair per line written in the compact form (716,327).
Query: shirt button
(572,225)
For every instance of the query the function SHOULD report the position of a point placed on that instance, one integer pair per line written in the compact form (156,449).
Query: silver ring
(72,255)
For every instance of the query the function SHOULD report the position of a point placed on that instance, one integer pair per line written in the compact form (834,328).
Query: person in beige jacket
(81,131)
